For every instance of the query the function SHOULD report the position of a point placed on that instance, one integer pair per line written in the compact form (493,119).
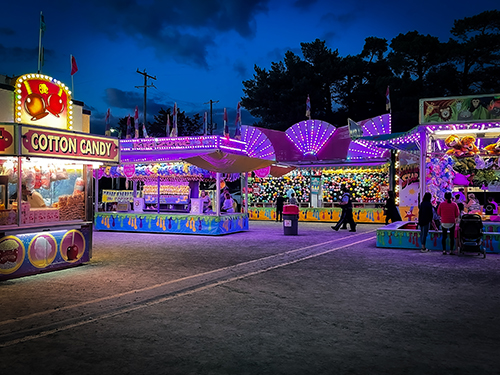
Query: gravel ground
(256,302)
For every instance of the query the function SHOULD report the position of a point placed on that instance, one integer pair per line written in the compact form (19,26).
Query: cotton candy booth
(315,161)
(166,175)
(459,149)
(46,162)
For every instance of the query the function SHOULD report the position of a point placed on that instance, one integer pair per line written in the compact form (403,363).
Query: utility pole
(211,124)
(146,76)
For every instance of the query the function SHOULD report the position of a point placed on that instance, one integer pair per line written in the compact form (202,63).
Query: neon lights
(310,136)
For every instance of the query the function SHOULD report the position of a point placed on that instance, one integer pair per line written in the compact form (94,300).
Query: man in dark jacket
(346,215)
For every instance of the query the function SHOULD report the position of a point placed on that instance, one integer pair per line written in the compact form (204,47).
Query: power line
(146,76)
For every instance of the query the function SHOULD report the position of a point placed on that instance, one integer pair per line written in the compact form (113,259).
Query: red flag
(107,122)
(129,128)
(136,122)
(226,126)
(168,125)
(74,68)
(237,123)
(308,107)
(387,100)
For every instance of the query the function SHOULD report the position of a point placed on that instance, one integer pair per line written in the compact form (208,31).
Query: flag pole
(40,44)
(72,83)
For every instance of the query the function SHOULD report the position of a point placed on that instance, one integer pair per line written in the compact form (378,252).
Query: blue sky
(198,50)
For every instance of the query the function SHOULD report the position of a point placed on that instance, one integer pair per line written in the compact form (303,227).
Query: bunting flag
(136,122)
(174,133)
(226,126)
(205,124)
(168,125)
(74,67)
(107,122)
(144,132)
(43,27)
(237,123)
(129,128)
(387,100)
(308,108)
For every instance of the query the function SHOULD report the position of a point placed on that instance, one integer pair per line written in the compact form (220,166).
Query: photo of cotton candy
(42,249)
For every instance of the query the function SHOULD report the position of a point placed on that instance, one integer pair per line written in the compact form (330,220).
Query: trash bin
(290,219)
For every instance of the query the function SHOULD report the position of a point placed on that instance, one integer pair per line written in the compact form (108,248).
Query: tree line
(413,65)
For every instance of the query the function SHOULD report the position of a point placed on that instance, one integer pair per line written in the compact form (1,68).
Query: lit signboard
(68,145)
(43,100)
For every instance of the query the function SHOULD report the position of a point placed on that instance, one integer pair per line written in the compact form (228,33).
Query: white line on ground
(178,294)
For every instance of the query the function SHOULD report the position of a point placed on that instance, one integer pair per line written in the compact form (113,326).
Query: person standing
(280,202)
(390,209)
(346,215)
(228,205)
(292,199)
(425,217)
(449,213)
(491,208)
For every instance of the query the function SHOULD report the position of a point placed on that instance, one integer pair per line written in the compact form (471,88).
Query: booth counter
(406,235)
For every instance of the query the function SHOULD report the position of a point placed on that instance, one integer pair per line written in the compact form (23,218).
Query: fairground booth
(314,160)
(456,149)
(46,162)
(168,176)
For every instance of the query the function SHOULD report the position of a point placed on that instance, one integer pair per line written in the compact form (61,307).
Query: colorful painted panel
(171,223)
(31,253)
(361,215)
(392,236)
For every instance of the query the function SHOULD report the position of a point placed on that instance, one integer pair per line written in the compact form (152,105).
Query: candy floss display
(46,161)
(458,144)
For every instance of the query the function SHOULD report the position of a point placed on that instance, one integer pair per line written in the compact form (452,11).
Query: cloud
(304,4)
(5,31)
(18,54)
(240,68)
(182,31)
(332,19)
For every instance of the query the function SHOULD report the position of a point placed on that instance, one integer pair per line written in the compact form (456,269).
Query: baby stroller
(470,235)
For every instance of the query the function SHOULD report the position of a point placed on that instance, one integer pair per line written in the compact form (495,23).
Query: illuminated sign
(175,143)
(60,144)
(43,100)
(460,109)
(7,145)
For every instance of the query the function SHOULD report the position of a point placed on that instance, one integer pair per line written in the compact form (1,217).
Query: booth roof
(212,160)
(225,162)
(404,141)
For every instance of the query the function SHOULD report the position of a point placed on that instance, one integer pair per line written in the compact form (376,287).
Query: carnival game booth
(315,160)
(166,175)
(459,148)
(46,161)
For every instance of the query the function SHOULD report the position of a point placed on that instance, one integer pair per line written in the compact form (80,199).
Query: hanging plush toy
(453,142)
(469,146)
(494,148)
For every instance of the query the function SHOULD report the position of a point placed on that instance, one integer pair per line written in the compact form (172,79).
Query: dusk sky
(198,50)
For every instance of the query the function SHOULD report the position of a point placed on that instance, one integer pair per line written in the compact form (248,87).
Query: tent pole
(217,194)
